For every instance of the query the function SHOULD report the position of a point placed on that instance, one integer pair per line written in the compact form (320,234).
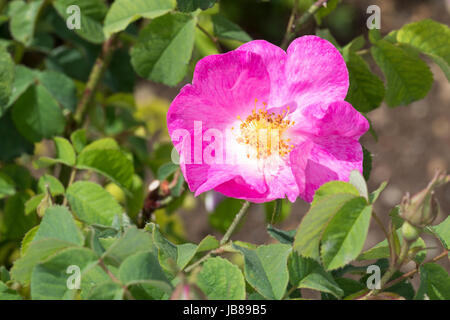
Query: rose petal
(315,72)
(323,120)
(328,148)
(223,86)
(274,58)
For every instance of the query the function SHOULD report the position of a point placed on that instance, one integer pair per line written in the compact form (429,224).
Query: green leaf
(7,186)
(58,223)
(219,279)
(192,5)
(307,239)
(12,143)
(169,253)
(4,274)
(334,187)
(37,114)
(6,79)
(435,281)
(38,251)
(65,154)
(15,223)
(132,241)
(23,21)
(185,252)
(327,35)
(345,234)
(356,44)
(266,269)
(357,180)
(27,239)
(442,230)
(94,277)
(61,87)
(166,170)
(7,293)
(106,291)
(350,286)
(64,151)
(282,213)
(104,143)
(326,10)
(225,29)
(307,273)
(431,38)
(366,91)
(23,78)
(381,249)
(374,35)
(397,220)
(373,196)
(181,254)
(92,13)
(13,6)
(145,266)
(54,185)
(32,203)
(408,78)
(135,201)
(49,278)
(164,48)
(103,156)
(78,139)
(367,160)
(93,204)
(286,237)
(124,12)
(20,175)
(208,243)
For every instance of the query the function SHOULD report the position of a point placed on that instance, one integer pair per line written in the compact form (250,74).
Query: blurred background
(413,141)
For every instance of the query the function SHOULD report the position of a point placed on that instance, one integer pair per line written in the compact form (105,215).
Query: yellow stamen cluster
(262,130)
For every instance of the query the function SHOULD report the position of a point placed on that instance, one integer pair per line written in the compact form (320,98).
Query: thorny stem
(276,209)
(386,233)
(394,267)
(211,37)
(378,221)
(114,279)
(234,224)
(364,294)
(414,271)
(95,76)
(300,21)
(206,256)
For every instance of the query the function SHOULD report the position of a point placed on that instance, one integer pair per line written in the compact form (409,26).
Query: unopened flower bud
(422,208)
(409,232)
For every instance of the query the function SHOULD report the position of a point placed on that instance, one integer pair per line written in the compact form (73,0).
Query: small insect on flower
(275,122)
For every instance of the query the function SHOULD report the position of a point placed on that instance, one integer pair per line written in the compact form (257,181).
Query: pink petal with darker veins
(223,87)
(330,149)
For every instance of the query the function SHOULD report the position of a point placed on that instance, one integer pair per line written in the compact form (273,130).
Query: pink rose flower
(259,123)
